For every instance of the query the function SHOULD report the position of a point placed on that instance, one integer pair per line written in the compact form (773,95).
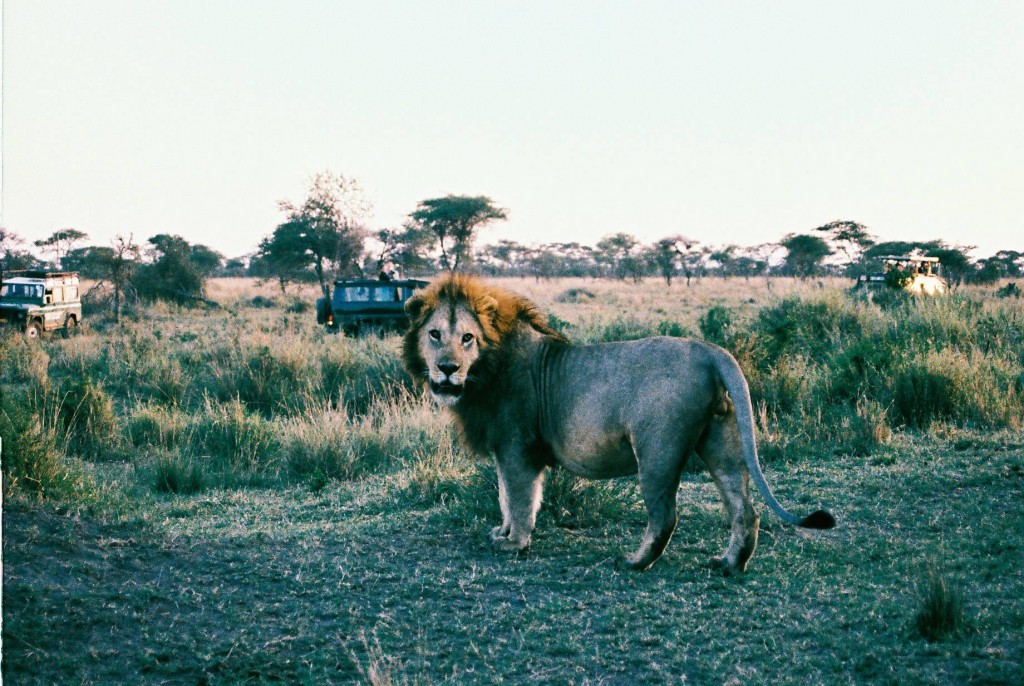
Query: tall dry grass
(255,392)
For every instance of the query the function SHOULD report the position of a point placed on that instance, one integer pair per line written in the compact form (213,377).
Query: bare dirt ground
(360,583)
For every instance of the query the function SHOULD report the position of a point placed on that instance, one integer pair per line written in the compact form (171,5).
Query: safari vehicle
(916,274)
(361,304)
(38,301)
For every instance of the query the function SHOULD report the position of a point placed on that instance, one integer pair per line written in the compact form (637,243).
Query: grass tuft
(941,612)
(173,473)
(34,462)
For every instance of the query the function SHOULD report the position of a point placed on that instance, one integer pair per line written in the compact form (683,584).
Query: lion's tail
(734,381)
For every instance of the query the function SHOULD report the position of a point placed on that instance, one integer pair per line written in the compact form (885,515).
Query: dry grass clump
(336,445)
(178,474)
(33,454)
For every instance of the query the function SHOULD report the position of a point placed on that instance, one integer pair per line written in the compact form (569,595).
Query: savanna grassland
(232,495)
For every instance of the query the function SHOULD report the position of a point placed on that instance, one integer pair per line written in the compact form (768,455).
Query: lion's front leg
(500,533)
(519,494)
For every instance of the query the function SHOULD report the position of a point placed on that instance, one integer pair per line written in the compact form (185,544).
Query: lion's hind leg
(721,451)
(660,466)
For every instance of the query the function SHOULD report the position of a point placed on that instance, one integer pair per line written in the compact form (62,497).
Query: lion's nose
(448,368)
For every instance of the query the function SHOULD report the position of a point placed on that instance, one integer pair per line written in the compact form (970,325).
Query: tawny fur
(523,394)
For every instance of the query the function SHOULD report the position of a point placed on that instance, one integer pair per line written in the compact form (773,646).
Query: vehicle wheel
(33,331)
(70,327)
(322,306)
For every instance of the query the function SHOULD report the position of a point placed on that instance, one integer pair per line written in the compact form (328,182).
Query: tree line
(324,237)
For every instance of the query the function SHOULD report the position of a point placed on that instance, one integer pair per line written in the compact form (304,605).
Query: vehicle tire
(322,310)
(33,330)
(70,326)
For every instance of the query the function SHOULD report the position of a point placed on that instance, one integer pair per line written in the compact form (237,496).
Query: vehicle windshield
(23,291)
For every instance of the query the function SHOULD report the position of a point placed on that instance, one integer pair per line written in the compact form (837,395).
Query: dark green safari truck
(38,301)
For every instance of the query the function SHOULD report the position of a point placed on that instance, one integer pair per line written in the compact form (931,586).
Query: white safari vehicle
(919,275)
(38,301)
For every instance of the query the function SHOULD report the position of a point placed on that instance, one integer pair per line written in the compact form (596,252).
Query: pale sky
(729,122)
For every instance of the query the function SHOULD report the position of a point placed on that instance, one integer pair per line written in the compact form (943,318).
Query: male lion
(522,393)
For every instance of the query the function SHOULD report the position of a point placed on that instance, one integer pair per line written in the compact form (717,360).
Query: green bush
(269,378)
(716,326)
(972,389)
(625,329)
(32,460)
(811,327)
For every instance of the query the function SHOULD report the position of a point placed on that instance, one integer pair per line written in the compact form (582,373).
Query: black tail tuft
(822,519)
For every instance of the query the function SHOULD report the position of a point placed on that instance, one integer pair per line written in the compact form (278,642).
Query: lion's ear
(486,305)
(414,305)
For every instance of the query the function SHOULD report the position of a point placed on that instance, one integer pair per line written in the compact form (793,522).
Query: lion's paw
(508,545)
(726,568)
(632,563)
(499,533)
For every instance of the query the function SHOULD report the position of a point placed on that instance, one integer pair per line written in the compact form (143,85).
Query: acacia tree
(850,238)
(804,254)
(620,252)
(60,243)
(726,258)
(454,221)
(406,248)
(673,253)
(506,258)
(324,232)
(175,270)
(665,256)
(11,257)
(1005,263)
(282,256)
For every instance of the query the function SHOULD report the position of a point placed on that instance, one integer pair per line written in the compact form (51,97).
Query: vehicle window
(22,290)
(70,293)
(3,290)
(357,294)
(385,294)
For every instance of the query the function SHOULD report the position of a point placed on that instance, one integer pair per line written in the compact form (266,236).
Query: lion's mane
(503,317)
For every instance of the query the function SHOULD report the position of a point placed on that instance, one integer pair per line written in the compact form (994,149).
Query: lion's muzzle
(446,388)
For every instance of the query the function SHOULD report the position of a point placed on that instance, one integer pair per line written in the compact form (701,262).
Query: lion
(522,393)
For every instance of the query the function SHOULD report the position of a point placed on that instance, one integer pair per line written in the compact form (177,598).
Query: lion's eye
(435,334)
(466,338)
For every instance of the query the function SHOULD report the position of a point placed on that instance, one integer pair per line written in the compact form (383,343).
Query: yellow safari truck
(918,275)
(38,301)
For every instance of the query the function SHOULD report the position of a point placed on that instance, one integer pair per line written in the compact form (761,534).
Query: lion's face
(449,342)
